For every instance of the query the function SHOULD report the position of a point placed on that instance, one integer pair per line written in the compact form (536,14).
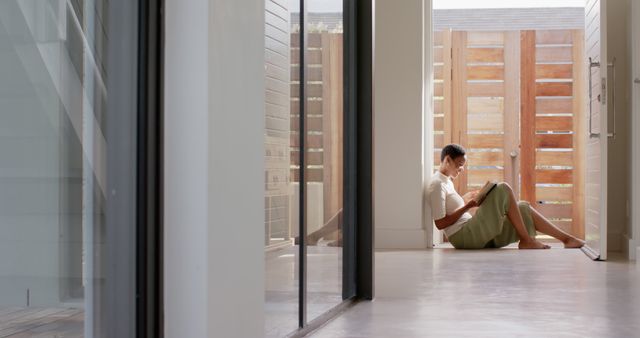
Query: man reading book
(499,219)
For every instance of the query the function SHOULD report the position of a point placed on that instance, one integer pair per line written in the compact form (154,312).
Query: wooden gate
(513,98)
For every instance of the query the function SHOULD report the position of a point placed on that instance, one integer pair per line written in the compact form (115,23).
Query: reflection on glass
(52,166)
(323,152)
(282,118)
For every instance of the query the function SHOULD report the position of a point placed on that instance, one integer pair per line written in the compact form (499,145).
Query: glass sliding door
(324,155)
(304,156)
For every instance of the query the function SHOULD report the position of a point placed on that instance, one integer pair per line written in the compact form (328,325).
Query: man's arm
(451,219)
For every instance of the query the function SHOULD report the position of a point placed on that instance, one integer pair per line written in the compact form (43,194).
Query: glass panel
(282,158)
(52,166)
(323,153)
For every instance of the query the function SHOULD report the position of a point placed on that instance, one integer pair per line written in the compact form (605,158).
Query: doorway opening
(509,86)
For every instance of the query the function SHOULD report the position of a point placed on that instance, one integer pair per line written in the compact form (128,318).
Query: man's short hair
(453,150)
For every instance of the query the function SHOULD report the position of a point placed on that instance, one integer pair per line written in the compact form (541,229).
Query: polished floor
(495,293)
(41,322)
(324,286)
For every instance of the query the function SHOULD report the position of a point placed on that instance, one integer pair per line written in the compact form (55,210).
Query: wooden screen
(509,97)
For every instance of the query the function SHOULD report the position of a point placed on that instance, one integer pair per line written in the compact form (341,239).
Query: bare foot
(532,244)
(573,243)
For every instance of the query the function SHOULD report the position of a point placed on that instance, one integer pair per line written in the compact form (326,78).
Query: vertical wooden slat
(511,108)
(446,76)
(579,105)
(459,98)
(528,115)
(332,123)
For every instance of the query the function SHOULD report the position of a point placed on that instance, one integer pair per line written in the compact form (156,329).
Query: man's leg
(543,225)
(526,241)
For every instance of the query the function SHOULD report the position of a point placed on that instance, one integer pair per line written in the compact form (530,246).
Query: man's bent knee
(504,186)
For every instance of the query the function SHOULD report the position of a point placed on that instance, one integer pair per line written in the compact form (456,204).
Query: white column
(214,168)
(398,121)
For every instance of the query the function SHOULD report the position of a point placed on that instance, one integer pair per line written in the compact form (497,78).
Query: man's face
(456,166)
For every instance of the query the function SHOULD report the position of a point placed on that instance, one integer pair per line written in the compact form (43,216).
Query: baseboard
(390,238)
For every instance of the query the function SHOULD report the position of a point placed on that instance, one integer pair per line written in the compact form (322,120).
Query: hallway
(495,293)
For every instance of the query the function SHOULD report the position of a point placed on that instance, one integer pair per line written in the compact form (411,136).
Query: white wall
(214,168)
(619,152)
(398,121)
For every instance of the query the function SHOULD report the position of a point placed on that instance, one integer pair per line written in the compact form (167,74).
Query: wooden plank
(545,105)
(438,123)
(485,55)
(512,110)
(312,158)
(313,123)
(313,90)
(552,176)
(313,74)
(312,107)
(312,141)
(554,123)
(438,141)
(332,124)
(437,72)
(487,89)
(447,90)
(480,176)
(560,158)
(579,96)
(485,122)
(554,141)
(459,98)
(527,116)
(552,211)
(310,175)
(438,107)
(554,71)
(554,193)
(554,89)
(295,40)
(553,37)
(437,54)
(477,38)
(485,158)
(314,40)
(485,105)
(484,141)
(313,56)
(554,54)
(438,89)
(485,72)
(437,38)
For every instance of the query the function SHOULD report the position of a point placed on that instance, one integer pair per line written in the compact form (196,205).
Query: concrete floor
(495,293)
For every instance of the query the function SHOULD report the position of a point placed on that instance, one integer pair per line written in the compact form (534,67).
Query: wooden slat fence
(323,116)
(513,98)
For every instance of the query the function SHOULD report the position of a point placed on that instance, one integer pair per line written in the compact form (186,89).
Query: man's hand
(471,204)
(470,196)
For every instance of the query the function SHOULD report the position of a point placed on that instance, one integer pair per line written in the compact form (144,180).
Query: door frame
(435,237)
(634,247)
(600,253)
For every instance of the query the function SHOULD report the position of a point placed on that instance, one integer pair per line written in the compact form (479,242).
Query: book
(484,191)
